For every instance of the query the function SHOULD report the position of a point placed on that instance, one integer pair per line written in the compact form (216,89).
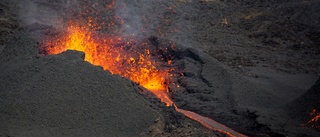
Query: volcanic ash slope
(62,95)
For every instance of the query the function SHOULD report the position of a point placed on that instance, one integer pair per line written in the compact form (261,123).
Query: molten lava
(313,122)
(120,56)
(209,123)
(116,54)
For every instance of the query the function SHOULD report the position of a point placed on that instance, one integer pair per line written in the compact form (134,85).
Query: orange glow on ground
(139,66)
(314,121)
(209,123)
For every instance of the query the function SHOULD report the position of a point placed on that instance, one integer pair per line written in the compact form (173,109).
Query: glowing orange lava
(209,123)
(115,55)
(313,122)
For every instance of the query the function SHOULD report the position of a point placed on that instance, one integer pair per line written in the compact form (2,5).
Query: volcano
(159,68)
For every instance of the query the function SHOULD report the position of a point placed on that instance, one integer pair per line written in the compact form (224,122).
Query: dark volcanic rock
(213,90)
(62,95)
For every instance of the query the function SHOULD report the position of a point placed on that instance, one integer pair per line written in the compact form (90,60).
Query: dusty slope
(281,35)
(302,106)
(62,95)
(253,106)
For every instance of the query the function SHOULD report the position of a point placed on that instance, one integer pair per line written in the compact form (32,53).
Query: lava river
(115,55)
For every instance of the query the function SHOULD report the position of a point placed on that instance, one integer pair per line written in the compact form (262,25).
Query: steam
(145,16)
(43,12)
(136,17)
(130,13)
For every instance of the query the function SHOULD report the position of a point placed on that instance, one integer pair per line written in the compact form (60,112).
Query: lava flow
(209,123)
(118,55)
